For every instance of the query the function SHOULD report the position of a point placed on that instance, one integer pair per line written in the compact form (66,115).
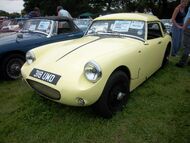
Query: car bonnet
(89,47)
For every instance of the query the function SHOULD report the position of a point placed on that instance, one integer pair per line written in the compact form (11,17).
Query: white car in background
(168,25)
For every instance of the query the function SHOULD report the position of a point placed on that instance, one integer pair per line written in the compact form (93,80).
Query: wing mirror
(146,43)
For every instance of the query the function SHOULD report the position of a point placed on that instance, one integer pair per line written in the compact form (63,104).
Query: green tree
(10,15)
(48,7)
(3,13)
(14,15)
(161,8)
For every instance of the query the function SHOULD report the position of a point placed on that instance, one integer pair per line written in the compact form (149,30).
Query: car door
(154,49)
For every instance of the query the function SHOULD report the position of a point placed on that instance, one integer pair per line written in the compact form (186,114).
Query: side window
(54,32)
(154,31)
(64,27)
(164,28)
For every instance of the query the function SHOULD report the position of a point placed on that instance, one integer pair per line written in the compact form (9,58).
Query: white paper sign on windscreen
(137,25)
(43,25)
(32,27)
(121,26)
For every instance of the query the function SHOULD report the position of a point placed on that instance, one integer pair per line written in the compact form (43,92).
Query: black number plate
(45,76)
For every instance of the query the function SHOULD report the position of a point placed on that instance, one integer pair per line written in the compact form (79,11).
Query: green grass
(158,112)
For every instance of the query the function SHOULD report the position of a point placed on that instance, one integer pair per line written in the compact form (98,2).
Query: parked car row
(12,25)
(117,54)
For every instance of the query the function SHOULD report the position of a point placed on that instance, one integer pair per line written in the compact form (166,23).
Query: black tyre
(114,95)
(166,57)
(11,66)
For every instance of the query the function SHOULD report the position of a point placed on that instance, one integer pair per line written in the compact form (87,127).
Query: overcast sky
(11,5)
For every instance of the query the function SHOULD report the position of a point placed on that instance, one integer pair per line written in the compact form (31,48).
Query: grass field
(157,112)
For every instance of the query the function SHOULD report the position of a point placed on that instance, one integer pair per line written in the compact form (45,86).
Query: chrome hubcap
(120,95)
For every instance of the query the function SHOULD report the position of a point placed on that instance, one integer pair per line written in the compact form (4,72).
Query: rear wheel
(114,95)
(11,66)
(166,57)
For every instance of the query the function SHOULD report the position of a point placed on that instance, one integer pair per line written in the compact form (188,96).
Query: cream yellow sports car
(117,53)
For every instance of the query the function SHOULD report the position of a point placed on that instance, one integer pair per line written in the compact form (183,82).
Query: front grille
(44,90)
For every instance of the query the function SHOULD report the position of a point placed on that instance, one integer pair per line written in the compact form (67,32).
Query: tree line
(160,8)
(10,15)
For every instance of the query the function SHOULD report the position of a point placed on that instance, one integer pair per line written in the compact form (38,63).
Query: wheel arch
(169,45)
(101,106)
(7,54)
(125,70)
(4,58)
(166,55)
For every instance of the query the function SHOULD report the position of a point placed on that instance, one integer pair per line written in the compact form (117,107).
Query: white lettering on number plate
(45,76)
(38,74)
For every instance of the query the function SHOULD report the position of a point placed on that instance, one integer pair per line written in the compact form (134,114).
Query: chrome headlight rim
(30,57)
(92,71)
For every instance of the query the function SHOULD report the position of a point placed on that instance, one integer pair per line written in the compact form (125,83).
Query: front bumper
(69,90)
(44,90)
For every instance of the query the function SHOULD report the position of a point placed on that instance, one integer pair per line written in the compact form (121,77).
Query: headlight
(30,57)
(92,71)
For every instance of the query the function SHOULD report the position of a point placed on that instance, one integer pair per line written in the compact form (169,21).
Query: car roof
(129,16)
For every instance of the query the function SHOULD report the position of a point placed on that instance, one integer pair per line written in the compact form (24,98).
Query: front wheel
(11,66)
(114,95)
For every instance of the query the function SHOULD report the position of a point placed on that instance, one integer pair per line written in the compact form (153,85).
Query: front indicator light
(30,57)
(80,101)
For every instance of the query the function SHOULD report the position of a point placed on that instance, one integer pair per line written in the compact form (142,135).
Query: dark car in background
(36,32)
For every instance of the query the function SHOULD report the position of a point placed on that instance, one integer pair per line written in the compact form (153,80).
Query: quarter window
(154,31)
(64,27)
